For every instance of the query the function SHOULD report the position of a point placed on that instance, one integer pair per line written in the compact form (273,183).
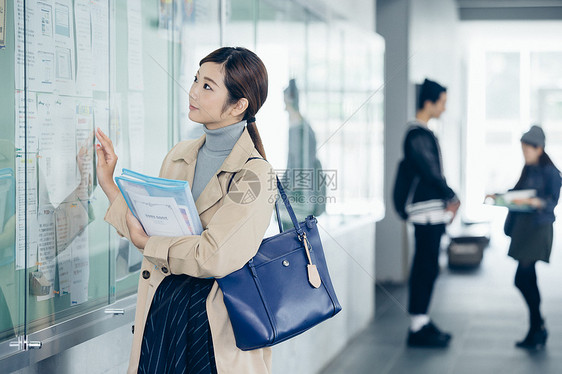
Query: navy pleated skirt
(530,242)
(177,338)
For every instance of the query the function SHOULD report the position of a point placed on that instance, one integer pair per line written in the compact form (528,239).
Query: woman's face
(207,98)
(531,154)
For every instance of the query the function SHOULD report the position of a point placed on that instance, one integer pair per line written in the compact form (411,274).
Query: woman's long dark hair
(245,76)
(544,160)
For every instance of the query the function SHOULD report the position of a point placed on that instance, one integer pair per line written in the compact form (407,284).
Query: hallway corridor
(481,308)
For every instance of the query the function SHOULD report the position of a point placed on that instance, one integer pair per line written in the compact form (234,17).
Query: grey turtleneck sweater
(217,146)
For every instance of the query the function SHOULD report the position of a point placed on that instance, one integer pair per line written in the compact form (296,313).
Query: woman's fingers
(103,136)
(106,147)
(101,155)
(100,134)
(104,141)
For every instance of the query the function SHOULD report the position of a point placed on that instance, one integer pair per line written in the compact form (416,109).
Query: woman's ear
(239,108)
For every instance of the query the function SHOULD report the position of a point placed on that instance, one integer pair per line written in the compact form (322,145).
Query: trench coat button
(164,270)
(133,329)
(146,274)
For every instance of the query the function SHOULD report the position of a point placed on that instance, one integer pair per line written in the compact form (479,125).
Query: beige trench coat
(233,230)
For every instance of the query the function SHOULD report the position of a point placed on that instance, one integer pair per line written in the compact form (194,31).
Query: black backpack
(402,188)
(405,184)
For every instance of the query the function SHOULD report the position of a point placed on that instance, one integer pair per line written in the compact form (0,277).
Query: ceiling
(472,10)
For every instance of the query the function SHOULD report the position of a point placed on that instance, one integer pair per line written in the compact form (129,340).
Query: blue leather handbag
(282,291)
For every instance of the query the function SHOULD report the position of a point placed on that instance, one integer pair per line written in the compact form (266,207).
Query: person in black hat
(530,228)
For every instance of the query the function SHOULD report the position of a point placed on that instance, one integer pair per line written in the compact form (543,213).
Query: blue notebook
(164,207)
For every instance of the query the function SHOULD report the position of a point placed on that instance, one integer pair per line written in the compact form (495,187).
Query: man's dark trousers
(425,266)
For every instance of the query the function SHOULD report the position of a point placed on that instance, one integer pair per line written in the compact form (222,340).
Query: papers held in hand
(509,200)
(164,207)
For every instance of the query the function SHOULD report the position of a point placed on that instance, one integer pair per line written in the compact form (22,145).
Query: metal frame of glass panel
(26,350)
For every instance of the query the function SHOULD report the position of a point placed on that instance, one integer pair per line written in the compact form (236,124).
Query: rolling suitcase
(467,245)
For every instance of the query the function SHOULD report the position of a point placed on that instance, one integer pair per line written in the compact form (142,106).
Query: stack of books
(430,212)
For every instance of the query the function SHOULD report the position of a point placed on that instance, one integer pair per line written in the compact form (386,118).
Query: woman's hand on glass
(136,232)
(107,159)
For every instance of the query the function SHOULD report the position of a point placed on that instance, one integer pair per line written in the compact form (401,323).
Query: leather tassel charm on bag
(313,275)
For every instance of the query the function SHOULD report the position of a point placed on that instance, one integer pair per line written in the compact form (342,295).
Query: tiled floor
(483,311)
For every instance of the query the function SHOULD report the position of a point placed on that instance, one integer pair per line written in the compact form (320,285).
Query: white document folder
(164,207)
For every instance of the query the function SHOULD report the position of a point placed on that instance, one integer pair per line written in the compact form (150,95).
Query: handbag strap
(285,199)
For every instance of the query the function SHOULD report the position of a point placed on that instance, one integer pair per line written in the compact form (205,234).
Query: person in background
(422,156)
(531,232)
(305,192)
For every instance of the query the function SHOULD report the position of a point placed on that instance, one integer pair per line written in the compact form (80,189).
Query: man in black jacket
(422,157)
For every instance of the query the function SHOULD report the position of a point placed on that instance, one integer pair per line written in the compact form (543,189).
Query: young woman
(181,322)
(531,233)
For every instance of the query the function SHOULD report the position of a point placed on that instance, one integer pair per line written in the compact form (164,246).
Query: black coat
(422,156)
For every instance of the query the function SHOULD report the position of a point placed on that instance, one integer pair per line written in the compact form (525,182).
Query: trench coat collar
(242,150)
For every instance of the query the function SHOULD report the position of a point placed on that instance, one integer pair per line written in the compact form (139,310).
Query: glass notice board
(69,66)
